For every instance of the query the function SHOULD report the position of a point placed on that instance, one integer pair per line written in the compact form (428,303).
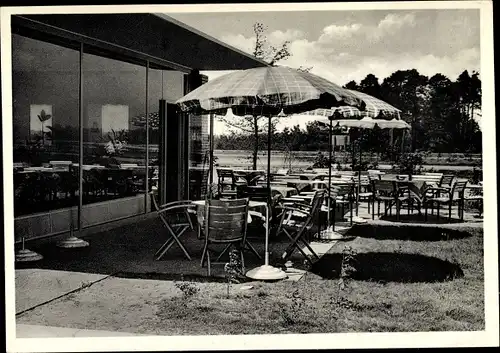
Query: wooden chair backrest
(447,180)
(384,187)
(459,187)
(346,189)
(227,220)
(224,173)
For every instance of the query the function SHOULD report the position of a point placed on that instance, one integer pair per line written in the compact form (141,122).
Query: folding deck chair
(176,218)
(297,221)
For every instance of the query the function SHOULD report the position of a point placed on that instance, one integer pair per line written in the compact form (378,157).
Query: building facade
(93,97)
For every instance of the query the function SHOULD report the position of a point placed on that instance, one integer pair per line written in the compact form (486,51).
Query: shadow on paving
(389,267)
(129,252)
(407,232)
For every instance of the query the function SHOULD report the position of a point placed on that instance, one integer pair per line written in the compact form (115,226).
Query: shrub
(410,163)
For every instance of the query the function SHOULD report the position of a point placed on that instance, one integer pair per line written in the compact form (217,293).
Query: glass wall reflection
(45,88)
(114,151)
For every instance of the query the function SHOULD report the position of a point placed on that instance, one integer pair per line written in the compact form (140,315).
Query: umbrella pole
(266,271)
(329,173)
(359,177)
(266,261)
(211,147)
(269,154)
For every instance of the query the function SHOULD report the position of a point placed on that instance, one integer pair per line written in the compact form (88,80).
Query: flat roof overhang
(156,35)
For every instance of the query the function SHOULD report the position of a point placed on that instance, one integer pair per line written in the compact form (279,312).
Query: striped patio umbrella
(373,107)
(376,113)
(267,91)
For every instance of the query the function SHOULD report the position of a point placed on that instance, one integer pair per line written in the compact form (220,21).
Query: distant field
(304,159)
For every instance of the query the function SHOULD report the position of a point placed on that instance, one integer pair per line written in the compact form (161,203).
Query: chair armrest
(175,207)
(293,209)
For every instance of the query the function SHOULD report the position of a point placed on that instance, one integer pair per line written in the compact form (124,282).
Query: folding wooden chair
(176,218)
(297,221)
(225,223)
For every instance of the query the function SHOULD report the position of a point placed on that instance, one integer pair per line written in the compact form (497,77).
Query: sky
(347,45)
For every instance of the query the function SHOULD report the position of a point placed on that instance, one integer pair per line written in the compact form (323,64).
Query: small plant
(290,314)
(410,163)
(188,289)
(233,269)
(347,270)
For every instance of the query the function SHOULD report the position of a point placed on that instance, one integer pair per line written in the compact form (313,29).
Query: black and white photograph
(249,176)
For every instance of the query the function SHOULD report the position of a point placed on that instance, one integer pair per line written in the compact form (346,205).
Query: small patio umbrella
(376,113)
(266,91)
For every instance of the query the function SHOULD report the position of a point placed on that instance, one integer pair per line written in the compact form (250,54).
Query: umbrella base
(26,255)
(330,234)
(357,219)
(266,273)
(72,242)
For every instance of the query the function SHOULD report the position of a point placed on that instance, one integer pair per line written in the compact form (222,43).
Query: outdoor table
(299,184)
(415,187)
(284,190)
(249,174)
(309,176)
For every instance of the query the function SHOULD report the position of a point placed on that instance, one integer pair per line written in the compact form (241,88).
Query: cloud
(401,40)
(239,41)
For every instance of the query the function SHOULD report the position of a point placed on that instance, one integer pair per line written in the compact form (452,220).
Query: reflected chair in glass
(225,223)
(176,217)
(297,222)
(69,182)
(443,196)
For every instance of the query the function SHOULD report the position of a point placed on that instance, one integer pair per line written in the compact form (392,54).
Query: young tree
(267,52)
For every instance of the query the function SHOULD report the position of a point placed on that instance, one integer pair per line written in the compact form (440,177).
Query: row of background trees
(440,111)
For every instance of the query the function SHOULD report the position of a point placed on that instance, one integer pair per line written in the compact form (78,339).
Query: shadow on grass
(390,267)
(416,218)
(174,277)
(407,232)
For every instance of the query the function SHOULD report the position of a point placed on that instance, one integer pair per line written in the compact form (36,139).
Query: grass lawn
(390,279)
(391,285)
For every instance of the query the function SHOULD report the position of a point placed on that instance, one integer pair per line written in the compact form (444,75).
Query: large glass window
(46,126)
(114,151)
(45,87)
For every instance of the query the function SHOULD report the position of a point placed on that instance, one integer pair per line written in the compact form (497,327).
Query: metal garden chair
(443,196)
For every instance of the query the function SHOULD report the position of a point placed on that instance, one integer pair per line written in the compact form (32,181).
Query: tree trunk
(256,144)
